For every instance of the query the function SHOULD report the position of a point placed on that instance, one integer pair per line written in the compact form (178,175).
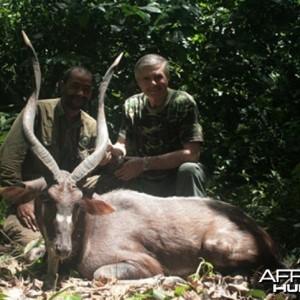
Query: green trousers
(17,232)
(187,180)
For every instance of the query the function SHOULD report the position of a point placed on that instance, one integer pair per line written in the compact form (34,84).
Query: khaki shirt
(68,142)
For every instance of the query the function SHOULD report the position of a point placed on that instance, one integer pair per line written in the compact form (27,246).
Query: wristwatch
(145,163)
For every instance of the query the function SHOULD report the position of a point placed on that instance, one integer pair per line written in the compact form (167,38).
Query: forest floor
(21,281)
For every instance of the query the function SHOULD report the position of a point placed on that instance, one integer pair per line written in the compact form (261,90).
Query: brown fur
(148,235)
(130,235)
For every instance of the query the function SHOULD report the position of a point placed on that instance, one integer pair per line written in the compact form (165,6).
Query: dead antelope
(130,235)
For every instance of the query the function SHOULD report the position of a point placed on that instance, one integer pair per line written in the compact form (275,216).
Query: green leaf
(260,294)
(33,244)
(160,295)
(179,290)
(64,293)
(151,8)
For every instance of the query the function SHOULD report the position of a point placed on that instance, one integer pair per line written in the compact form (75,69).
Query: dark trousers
(187,180)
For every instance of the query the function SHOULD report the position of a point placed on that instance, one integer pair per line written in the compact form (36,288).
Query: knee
(190,180)
(190,168)
(17,232)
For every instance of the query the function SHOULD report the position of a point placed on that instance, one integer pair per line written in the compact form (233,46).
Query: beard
(75,103)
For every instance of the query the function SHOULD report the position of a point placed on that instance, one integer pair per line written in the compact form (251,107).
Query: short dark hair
(68,73)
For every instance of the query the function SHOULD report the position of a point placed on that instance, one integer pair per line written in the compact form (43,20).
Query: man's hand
(132,167)
(25,213)
(113,154)
(106,158)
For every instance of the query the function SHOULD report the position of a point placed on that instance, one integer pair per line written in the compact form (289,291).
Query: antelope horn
(102,139)
(29,115)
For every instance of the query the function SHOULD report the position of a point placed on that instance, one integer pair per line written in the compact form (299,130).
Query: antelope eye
(76,205)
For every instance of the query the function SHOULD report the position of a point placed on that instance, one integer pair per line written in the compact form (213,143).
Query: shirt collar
(157,110)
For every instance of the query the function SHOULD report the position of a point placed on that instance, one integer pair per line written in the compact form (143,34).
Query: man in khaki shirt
(64,129)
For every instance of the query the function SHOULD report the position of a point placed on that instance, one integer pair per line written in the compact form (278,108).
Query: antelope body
(129,235)
(147,235)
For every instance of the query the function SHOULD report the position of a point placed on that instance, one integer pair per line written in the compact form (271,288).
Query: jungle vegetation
(240,60)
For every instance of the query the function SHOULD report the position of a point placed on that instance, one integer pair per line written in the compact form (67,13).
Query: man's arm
(171,160)
(13,152)
(134,166)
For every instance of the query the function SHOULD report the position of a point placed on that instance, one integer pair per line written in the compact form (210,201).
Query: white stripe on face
(60,218)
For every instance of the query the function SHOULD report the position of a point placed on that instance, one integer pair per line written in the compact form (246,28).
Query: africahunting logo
(283,280)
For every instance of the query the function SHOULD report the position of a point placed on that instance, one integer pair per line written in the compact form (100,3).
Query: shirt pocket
(85,147)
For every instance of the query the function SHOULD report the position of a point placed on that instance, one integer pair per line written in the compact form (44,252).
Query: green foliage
(3,211)
(205,269)
(65,294)
(151,294)
(240,60)
(6,120)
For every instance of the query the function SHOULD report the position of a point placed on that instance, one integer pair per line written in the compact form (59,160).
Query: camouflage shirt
(157,131)
(68,142)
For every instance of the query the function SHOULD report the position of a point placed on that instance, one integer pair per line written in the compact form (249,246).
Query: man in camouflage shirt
(64,129)
(161,134)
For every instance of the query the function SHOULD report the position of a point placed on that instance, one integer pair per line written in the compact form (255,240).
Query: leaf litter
(22,281)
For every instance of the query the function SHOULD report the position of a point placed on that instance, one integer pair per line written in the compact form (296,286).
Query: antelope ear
(97,207)
(17,194)
(38,184)
(24,191)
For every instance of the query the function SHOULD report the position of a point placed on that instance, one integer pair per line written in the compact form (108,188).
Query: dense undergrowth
(239,59)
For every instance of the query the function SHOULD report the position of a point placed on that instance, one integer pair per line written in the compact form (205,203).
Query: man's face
(77,90)
(153,82)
